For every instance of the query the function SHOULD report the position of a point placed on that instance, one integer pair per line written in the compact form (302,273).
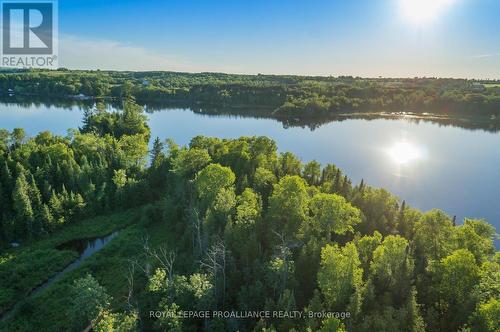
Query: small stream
(85,248)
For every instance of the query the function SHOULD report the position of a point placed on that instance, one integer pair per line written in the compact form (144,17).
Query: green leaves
(434,235)
(454,281)
(340,275)
(457,275)
(392,264)
(119,178)
(477,237)
(189,161)
(488,315)
(332,213)
(249,208)
(210,180)
(130,122)
(89,299)
(288,204)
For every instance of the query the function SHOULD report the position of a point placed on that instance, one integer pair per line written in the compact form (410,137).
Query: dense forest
(283,97)
(47,181)
(223,226)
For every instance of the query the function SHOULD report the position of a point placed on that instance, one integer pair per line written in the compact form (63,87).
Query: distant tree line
(254,229)
(282,96)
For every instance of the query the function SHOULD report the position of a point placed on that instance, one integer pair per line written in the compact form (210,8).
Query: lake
(427,164)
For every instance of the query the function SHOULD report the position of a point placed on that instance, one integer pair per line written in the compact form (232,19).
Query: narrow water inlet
(85,248)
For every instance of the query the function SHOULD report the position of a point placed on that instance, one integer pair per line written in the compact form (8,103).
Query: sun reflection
(404,152)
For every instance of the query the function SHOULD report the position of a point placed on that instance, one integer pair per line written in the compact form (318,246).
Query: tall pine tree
(23,209)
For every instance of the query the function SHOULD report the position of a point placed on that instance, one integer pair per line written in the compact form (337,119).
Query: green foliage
(455,278)
(180,293)
(477,237)
(288,204)
(488,315)
(391,263)
(48,181)
(50,309)
(249,208)
(22,207)
(21,272)
(489,285)
(116,322)
(366,246)
(340,276)
(457,273)
(263,181)
(332,324)
(312,172)
(211,180)
(89,300)
(189,161)
(119,178)
(130,122)
(233,225)
(434,235)
(289,164)
(23,269)
(380,208)
(293,99)
(332,213)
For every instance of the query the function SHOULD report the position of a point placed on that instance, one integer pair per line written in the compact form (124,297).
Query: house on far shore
(81,96)
(477,87)
(145,83)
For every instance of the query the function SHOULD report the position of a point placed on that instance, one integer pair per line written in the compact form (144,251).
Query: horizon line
(4,69)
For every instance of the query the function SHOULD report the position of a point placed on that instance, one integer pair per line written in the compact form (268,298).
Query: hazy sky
(447,38)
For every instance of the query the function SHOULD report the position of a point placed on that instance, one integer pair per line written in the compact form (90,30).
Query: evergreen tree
(157,153)
(23,209)
(56,206)
(46,218)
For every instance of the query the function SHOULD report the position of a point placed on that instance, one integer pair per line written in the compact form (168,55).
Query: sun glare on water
(423,11)
(404,153)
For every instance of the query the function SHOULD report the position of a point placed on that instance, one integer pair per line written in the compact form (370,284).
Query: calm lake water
(428,165)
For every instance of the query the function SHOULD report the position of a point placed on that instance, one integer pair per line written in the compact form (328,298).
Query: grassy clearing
(24,268)
(48,311)
(19,275)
